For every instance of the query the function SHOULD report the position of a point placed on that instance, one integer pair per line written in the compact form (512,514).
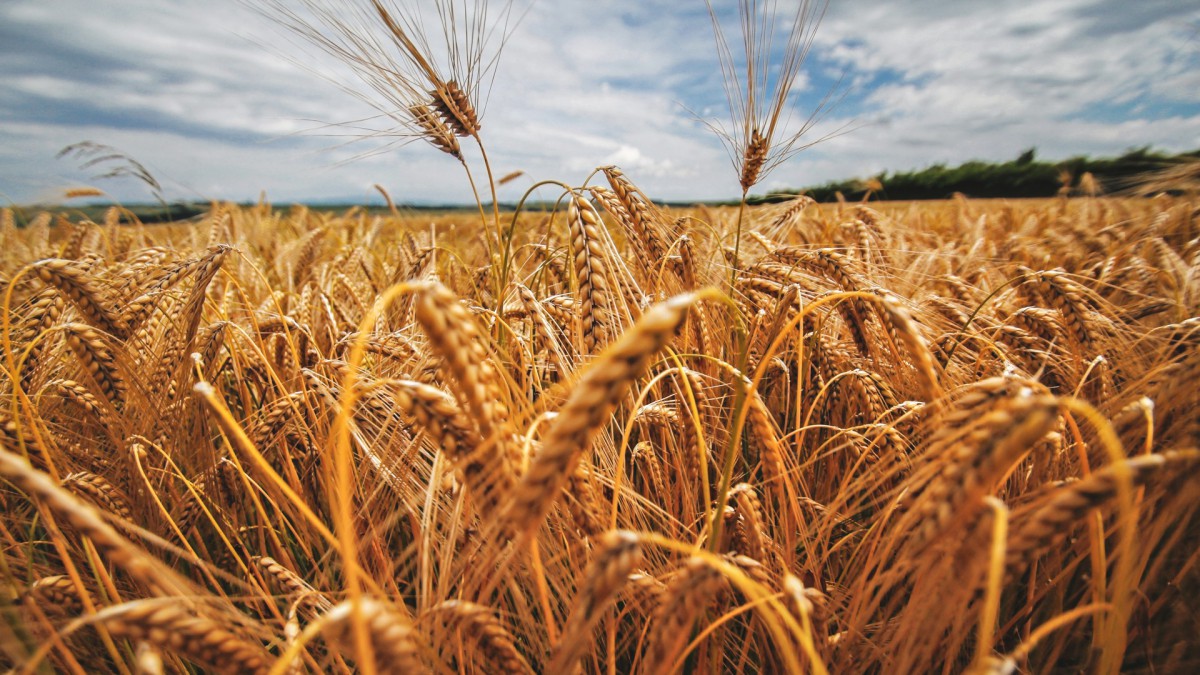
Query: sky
(217,102)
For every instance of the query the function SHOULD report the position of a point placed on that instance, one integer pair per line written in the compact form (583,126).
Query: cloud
(187,88)
(956,81)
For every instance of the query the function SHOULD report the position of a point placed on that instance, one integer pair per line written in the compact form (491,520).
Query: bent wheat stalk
(589,407)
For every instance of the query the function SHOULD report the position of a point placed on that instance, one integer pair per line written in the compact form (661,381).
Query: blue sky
(200,92)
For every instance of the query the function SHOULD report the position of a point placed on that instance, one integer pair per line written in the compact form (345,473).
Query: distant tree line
(1024,176)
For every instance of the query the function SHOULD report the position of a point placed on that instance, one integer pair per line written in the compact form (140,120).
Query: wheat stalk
(595,396)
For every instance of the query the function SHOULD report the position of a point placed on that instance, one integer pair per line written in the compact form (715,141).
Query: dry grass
(910,438)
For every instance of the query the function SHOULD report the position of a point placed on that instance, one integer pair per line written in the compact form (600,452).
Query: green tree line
(1025,176)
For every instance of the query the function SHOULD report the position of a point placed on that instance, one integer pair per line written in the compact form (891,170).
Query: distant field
(892,437)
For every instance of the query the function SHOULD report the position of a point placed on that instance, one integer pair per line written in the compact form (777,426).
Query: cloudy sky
(202,94)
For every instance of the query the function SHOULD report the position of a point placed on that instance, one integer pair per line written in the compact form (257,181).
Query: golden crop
(907,438)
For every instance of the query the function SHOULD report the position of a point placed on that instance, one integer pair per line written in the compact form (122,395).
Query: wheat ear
(478,384)
(480,626)
(99,361)
(43,311)
(589,407)
(392,636)
(57,593)
(1038,530)
(100,492)
(619,554)
(488,477)
(290,583)
(456,109)
(170,625)
(1068,298)
(753,158)
(74,282)
(591,273)
(686,595)
(435,129)
(644,217)
(457,339)
(973,460)
(78,394)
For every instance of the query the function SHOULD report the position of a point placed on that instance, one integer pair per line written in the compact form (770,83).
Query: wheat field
(909,438)
(592,433)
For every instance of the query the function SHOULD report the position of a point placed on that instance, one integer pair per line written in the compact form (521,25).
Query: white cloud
(183,87)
